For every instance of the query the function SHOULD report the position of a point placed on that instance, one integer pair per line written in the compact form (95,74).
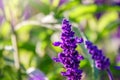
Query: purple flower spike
(70,58)
(101,62)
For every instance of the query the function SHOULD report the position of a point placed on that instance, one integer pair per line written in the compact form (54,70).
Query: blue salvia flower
(101,62)
(70,58)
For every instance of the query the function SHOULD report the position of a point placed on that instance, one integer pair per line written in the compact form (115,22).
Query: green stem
(15,45)
(16,52)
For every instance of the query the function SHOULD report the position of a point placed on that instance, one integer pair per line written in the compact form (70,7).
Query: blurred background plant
(29,27)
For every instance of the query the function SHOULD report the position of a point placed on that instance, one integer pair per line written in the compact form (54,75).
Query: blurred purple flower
(116,2)
(61,2)
(1,10)
(1,4)
(99,2)
(117,33)
(1,19)
(26,13)
(118,56)
(117,67)
(35,74)
(98,15)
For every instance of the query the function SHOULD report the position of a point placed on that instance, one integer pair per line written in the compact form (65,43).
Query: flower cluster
(101,61)
(70,58)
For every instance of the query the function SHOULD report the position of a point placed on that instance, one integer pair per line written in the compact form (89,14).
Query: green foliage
(35,35)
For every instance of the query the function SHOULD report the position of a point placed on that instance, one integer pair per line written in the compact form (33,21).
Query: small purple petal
(79,40)
(56,59)
(80,57)
(56,43)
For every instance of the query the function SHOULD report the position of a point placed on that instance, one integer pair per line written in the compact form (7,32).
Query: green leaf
(106,19)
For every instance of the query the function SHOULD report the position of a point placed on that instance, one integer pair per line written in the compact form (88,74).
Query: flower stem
(109,74)
(16,52)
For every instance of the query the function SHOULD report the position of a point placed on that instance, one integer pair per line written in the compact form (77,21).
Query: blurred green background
(31,26)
